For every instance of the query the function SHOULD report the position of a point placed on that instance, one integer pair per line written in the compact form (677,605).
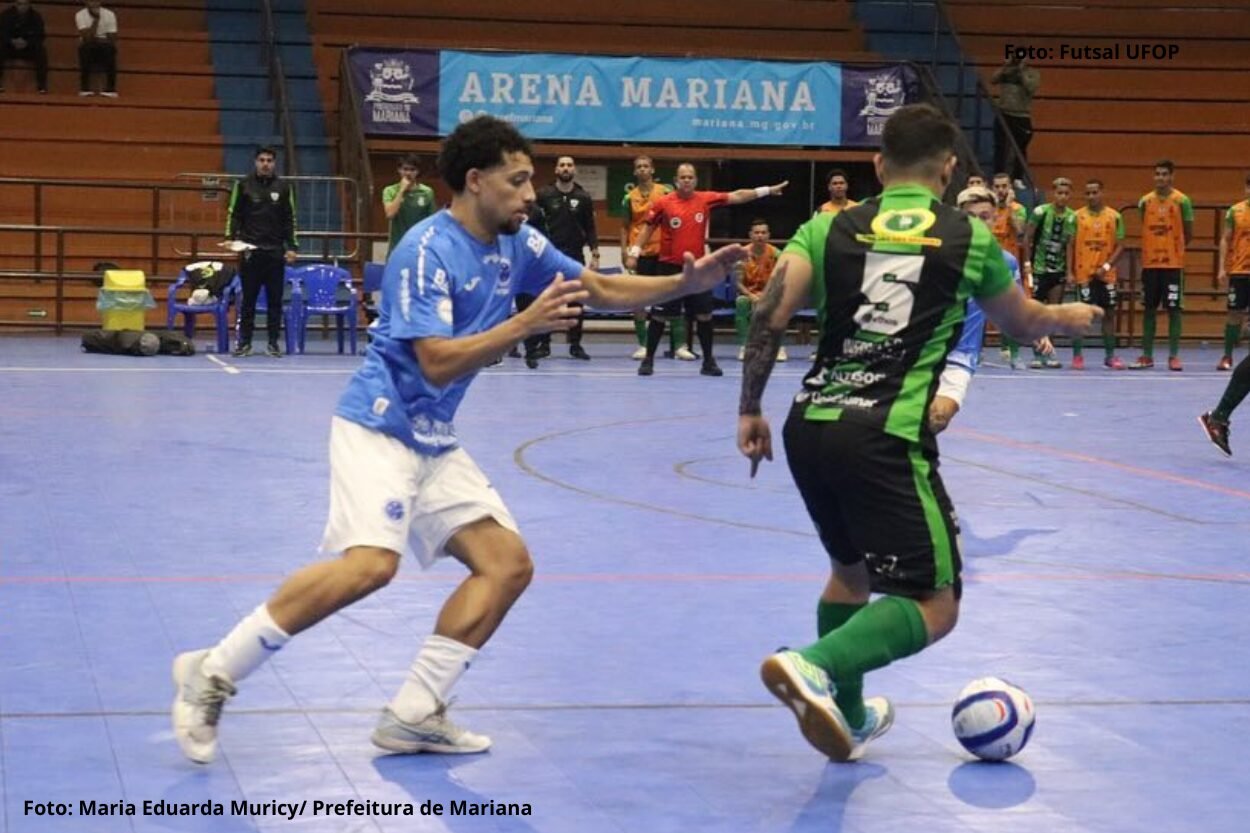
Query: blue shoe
(807,691)
(879,720)
(436,733)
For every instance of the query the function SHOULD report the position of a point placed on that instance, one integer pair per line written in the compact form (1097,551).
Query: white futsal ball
(992,718)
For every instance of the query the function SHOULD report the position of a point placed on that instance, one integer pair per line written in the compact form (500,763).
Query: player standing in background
(1097,240)
(1167,226)
(1234,274)
(838,186)
(1050,228)
(638,200)
(751,277)
(1010,220)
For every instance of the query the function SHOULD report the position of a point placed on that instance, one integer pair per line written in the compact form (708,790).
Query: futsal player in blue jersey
(963,361)
(399,480)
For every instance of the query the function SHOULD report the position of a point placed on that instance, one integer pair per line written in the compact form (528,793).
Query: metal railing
(277,88)
(49,286)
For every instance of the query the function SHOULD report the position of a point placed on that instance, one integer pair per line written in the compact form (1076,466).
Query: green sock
(1231,333)
(1148,334)
(850,697)
(1108,344)
(640,331)
(742,318)
(677,334)
(888,629)
(1077,344)
(1174,332)
(1013,348)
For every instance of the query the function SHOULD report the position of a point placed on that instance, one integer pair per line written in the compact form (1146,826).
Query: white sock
(430,679)
(253,641)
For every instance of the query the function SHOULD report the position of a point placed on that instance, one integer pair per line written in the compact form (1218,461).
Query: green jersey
(417,205)
(1052,229)
(891,279)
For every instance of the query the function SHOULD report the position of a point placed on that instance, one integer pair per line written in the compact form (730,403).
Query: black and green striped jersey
(1052,229)
(891,279)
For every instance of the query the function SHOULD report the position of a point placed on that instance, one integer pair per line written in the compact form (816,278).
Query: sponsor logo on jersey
(905,225)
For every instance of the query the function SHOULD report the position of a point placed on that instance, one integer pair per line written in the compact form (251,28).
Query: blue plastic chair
(292,302)
(321,286)
(219,309)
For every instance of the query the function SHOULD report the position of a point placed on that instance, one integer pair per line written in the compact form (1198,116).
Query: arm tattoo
(763,342)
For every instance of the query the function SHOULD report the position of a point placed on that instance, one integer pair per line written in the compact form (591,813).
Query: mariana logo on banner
(399,90)
(870,97)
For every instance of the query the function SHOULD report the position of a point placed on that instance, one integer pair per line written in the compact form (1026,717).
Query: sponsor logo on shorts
(380,405)
(394,510)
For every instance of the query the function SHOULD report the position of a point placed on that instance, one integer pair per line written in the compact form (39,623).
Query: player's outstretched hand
(706,272)
(551,311)
(755,440)
(1077,319)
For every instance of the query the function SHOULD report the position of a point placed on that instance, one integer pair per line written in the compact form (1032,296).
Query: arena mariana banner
(607,99)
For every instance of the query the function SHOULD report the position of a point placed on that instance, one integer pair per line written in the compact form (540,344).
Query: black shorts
(1163,286)
(1098,293)
(700,303)
(877,498)
(648,265)
(1238,293)
(1043,283)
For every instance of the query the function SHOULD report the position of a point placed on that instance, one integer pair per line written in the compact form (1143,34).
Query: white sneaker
(198,700)
(742,354)
(639,354)
(806,690)
(85,92)
(684,354)
(109,94)
(880,719)
(781,355)
(436,733)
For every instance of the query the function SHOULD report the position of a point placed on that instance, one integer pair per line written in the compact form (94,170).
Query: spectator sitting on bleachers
(97,47)
(21,37)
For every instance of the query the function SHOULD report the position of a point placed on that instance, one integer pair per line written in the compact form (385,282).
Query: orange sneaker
(1226,363)
(1174,363)
(1078,362)
(1142,363)
(1114,363)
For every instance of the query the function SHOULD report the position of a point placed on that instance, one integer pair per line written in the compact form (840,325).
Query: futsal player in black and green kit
(1051,226)
(890,280)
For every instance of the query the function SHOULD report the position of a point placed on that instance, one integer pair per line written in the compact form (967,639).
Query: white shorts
(384,494)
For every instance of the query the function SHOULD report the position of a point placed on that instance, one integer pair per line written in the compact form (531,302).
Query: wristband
(633,251)
(763,191)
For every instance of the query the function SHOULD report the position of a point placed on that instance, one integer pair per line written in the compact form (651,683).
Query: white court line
(226,366)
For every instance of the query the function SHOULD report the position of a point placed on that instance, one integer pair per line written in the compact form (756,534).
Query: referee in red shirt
(684,214)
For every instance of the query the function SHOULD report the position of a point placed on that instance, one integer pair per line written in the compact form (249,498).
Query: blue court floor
(146,504)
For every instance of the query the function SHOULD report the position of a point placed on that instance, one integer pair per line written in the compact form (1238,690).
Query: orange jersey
(827,207)
(1004,231)
(757,270)
(1237,221)
(637,205)
(1095,240)
(1163,229)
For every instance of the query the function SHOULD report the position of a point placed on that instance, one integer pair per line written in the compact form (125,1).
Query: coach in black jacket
(569,212)
(262,213)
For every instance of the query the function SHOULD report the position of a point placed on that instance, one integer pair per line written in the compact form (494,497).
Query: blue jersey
(440,282)
(967,352)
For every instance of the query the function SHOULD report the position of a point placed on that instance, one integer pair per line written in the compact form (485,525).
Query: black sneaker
(577,352)
(242,350)
(646,368)
(1217,432)
(543,351)
(711,369)
(531,362)
(273,351)
(514,353)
